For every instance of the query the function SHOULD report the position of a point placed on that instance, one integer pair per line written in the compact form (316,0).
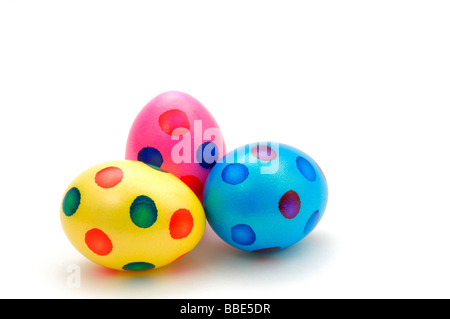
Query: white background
(361,86)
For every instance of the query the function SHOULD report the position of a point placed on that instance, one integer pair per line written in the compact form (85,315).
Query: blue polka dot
(150,156)
(312,222)
(207,155)
(234,174)
(243,234)
(306,169)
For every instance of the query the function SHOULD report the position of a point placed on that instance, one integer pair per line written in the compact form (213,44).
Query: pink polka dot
(264,153)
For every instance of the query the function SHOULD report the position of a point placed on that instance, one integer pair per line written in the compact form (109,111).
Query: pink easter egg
(177,133)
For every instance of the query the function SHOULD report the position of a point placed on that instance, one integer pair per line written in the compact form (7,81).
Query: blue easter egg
(265,196)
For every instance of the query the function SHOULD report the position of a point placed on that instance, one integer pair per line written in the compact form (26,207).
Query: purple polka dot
(289,204)
(264,153)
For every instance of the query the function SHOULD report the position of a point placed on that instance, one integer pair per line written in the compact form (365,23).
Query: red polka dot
(181,224)
(264,153)
(180,256)
(98,242)
(109,177)
(174,119)
(194,184)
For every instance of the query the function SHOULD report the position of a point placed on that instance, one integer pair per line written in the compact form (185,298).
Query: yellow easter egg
(128,215)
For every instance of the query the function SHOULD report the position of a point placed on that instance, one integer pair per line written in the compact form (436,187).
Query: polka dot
(71,201)
(138,265)
(207,154)
(98,242)
(181,224)
(143,211)
(264,153)
(234,173)
(289,204)
(194,184)
(243,234)
(150,155)
(174,120)
(306,169)
(109,177)
(180,256)
(267,250)
(159,169)
(312,222)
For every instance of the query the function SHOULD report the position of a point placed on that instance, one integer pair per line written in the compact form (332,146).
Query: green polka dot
(156,168)
(136,266)
(71,201)
(143,211)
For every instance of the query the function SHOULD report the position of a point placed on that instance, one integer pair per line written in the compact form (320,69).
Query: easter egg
(127,215)
(176,132)
(263,197)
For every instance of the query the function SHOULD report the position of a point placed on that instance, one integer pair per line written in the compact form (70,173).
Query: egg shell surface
(265,196)
(127,215)
(176,132)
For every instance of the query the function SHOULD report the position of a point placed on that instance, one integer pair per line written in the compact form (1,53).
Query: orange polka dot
(181,224)
(98,242)
(109,177)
